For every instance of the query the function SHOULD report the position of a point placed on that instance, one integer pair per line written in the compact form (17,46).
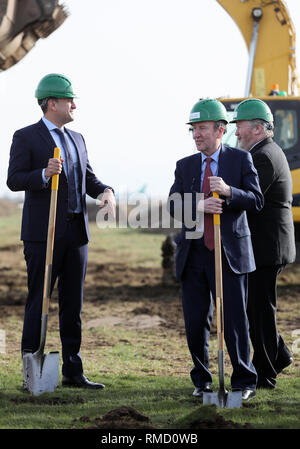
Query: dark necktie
(72,199)
(208,218)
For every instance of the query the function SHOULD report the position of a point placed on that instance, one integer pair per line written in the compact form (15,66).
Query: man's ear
(52,104)
(220,132)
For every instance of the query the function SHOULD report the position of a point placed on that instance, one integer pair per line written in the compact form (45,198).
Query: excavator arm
(270,38)
(22,23)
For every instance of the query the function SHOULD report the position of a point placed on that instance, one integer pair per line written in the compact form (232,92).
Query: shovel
(41,371)
(223,398)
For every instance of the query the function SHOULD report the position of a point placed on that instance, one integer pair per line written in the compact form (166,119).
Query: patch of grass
(10,229)
(134,246)
(166,400)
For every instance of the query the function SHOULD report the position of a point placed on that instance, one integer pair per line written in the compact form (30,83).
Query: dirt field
(116,296)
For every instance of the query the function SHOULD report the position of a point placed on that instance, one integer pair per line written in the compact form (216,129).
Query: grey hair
(219,124)
(268,127)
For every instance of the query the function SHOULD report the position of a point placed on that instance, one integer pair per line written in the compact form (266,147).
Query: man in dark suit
(229,172)
(273,237)
(31,167)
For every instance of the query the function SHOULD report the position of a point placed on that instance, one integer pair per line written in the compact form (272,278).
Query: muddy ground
(130,297)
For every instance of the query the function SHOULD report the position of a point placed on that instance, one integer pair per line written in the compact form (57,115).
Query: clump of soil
(207,417)
(124,417)
(119,418)
(218,423)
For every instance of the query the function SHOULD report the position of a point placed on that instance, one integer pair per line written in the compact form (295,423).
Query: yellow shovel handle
(54,183)
(50,238)
(216,216)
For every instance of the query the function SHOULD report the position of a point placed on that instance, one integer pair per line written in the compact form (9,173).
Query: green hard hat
(252,109)
(208,110)
(54,85)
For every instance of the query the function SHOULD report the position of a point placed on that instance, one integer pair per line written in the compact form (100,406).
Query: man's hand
(218,185)
(212,205)
(108,200)
(54,167)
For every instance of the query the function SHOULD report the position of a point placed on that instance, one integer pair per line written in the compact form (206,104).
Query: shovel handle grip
(54,183)
(216,216)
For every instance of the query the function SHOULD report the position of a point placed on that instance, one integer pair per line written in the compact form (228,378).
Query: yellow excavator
(22,23)
(272,76)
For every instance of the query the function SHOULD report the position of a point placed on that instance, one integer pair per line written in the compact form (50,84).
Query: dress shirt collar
(51,125)
(214,156)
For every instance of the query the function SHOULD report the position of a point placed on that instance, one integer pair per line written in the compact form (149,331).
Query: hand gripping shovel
(41,371)
(223,398)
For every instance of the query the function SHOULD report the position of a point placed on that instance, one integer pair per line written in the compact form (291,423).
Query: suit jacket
(272,228)
(31,149)
(237,170)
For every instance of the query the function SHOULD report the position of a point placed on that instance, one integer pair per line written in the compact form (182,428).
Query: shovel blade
(41,374)
(215,398)
(234,399)
(224,399)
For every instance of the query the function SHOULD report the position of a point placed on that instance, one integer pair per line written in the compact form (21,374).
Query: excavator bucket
(23,23)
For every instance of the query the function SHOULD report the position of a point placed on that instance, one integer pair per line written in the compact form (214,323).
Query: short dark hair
(43,103)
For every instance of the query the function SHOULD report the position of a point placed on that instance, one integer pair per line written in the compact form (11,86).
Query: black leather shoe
(80,381)
(199,391)
(248,394)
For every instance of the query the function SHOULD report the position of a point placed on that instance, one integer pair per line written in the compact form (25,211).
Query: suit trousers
(269,347)
(198,289)
(69,267)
